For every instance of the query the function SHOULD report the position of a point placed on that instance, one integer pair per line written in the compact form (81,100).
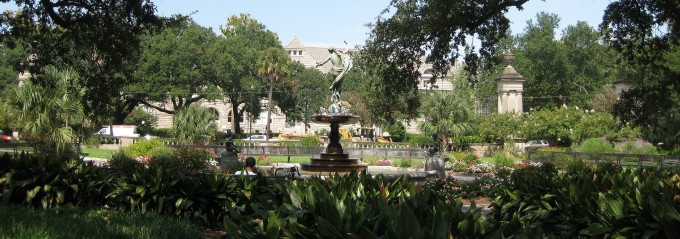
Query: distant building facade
(308,56)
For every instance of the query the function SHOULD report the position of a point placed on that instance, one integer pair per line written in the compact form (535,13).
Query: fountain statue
(334,159)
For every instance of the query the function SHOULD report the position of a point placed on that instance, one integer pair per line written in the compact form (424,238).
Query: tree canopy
(175,65)
(95,38)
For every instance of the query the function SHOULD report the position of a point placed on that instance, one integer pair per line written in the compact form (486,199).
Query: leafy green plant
(502,160)
(92,142)
(310,141)
(405,162)
(370,160)
(635,147)
(123,161)
(144,147)
(48,182)
(594,145)
(193,159)
(419,139)
(23,222)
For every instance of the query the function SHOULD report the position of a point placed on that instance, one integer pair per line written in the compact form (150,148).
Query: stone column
(510,87)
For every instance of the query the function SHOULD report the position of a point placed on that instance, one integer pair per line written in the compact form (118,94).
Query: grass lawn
(98,153)
(22,222)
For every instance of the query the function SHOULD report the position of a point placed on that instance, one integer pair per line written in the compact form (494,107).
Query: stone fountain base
(334,159)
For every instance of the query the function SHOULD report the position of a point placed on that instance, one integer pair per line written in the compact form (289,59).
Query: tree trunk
(235,117)
(269,110)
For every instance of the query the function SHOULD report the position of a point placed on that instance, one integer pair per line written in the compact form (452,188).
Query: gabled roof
(295,43)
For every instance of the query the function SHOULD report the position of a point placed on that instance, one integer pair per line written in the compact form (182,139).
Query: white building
(308,56)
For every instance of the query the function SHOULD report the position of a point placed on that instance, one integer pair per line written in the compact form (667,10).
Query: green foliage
(594,145)
(162,132)
(143,120)
(355,205)
(448,114)
(192,159)
(48,182)
(310,141)
(397,131)
(577,166)
(554,125)
(123,162)
(92,142)
(176,65)
(244,38)
(595,203)
(22,222)
(202,196)
(635,147)
(68,37)
(563,71)
(593,125)
(143,147)
(194,125)
(498,127)
(51,114)
(501,160)
(466,157)
(405,163)
(419,139)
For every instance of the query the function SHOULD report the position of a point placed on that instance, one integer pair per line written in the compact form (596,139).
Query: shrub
(193,159)
(594,145)
(310,141)
(123,161)
(576,166)
(405,163)
(370,160)
(466,157)
(47,182)
(419,139)
(92,142)
(397,131)
(636,147)
(162,132)
(144,147)
(502,160)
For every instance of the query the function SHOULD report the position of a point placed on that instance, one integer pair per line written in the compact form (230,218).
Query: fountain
(334,159)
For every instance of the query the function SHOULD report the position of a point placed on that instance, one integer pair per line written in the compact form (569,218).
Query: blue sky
(326,23)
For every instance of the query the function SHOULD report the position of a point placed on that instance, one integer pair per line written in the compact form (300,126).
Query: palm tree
(448,114)
(272,65)
(192,125)
(47,114)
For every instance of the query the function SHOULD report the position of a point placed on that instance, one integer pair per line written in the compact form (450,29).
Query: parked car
(258,138)
(4,138)
(536,144)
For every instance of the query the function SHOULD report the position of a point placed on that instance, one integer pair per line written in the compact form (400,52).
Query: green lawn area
(98,153)
(22,222)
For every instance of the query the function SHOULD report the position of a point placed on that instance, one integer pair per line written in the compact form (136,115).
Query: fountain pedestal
(334,159)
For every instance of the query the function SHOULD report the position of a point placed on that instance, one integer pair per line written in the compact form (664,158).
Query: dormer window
(295,52)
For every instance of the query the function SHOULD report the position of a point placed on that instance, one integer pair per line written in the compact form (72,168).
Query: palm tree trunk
(269,110)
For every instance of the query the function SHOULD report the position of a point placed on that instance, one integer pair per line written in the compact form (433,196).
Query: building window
(295,52)
(240,118)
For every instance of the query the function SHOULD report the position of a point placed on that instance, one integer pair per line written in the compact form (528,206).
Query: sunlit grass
(22,222)
(98,153)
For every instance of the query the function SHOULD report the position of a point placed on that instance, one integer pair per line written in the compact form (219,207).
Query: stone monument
(337,114)
(510,88)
